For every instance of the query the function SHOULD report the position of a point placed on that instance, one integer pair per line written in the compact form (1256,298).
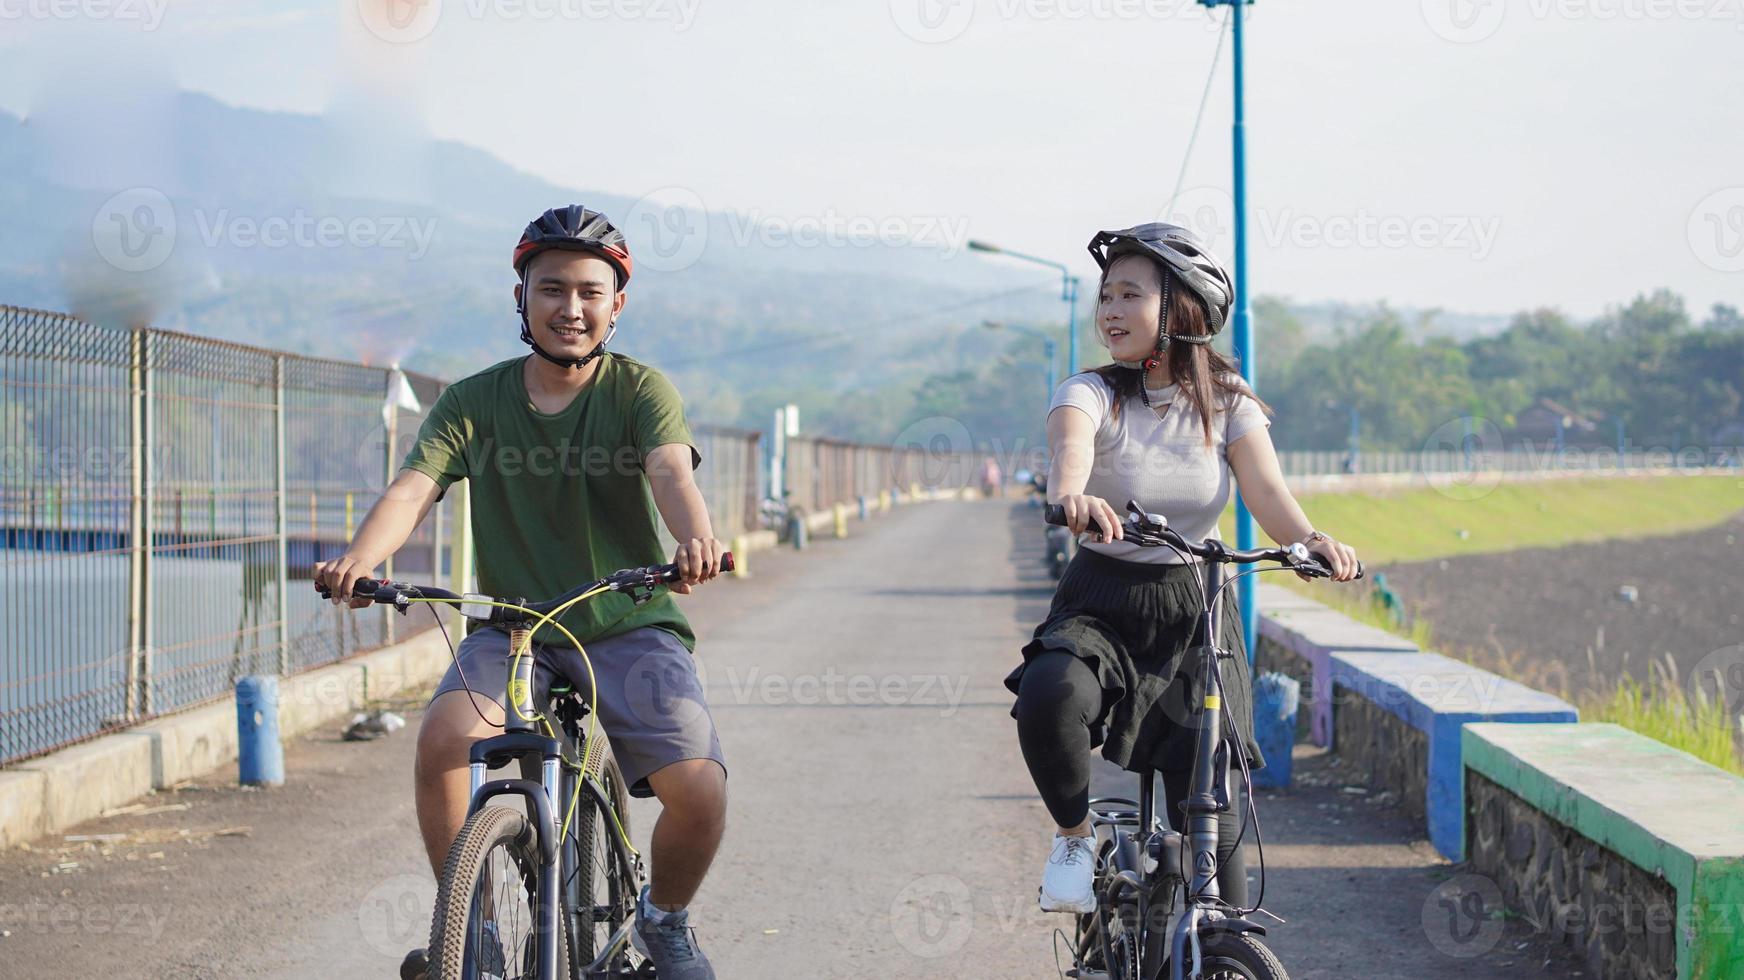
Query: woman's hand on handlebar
(697,561)
(1341,558)
(339,575)
(1083,511)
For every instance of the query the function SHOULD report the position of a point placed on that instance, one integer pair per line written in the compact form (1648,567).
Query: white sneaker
(1069,880)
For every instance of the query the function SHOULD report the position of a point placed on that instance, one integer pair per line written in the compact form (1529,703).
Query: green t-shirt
(561,500)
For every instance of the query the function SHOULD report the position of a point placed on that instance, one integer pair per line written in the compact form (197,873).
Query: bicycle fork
(520,741)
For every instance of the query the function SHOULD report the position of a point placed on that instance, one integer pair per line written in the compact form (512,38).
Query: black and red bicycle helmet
(574,229)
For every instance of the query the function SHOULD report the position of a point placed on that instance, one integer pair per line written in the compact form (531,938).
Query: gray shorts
(651,704)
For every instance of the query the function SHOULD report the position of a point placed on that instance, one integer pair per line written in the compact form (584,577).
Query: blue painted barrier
(260,757)
(1438,696)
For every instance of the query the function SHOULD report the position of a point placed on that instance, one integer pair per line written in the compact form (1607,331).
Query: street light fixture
(1068,292)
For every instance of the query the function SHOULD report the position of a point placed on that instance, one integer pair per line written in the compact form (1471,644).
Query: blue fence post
(260,757)
(1276,698)
(864,507)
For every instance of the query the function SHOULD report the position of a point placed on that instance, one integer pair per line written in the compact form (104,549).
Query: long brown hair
(1202,372)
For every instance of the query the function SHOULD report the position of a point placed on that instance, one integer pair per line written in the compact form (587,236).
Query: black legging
(1059,700)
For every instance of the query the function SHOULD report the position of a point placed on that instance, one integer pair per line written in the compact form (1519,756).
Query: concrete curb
(1665,811)
(1439,696)
(1313,633)
(50,793)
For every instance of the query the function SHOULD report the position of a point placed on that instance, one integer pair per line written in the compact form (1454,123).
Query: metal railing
(1516,459)
(164,498)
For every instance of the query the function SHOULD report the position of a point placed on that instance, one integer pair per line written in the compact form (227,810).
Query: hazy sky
(1479,155)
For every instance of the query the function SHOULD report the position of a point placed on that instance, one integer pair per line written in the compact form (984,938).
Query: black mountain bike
(1158,907)
(548,891)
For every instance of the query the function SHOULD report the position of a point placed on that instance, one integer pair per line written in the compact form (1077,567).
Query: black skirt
(1134,625)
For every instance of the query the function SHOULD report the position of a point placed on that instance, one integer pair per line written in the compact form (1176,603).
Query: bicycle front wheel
(1238,956)
(487,902)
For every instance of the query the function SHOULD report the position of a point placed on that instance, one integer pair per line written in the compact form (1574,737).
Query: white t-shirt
(1158,457)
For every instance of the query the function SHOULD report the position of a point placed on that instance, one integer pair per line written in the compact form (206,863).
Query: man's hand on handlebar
(338,576)
(698,561)
(1093,514)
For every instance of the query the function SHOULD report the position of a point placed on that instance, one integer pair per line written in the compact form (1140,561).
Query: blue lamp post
(1243,320)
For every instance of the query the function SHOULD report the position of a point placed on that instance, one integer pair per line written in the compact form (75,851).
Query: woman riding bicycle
(1166,425)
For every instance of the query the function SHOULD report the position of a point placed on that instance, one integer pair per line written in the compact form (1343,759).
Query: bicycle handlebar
(624,580)
(1152,530)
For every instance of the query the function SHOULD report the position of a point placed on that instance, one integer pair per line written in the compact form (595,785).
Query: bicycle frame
(1157,846)
(545,801)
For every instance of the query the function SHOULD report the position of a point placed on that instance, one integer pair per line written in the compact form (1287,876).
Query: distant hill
(416,268)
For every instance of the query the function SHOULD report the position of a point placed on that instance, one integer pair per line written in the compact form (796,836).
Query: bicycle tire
(484,831)
(590,835)
(1238,956)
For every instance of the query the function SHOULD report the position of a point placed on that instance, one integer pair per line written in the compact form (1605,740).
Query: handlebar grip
(669,573)
(364,585)
(1056,514)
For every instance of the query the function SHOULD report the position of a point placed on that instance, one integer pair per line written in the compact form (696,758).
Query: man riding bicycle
(570,451)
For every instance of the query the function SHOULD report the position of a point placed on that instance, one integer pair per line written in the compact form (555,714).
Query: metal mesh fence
(164,499)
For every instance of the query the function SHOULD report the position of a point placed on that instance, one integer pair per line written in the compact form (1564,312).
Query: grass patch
(1424,523)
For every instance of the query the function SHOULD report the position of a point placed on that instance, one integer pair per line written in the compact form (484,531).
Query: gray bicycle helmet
(1183,253)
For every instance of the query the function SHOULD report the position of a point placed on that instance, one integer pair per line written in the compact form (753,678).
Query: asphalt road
(881,820)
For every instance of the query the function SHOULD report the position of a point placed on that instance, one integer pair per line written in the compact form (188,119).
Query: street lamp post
(1243,319)
(1068,292)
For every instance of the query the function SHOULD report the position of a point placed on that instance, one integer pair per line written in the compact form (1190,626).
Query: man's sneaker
(1069,880)
(416,965)
(670,945)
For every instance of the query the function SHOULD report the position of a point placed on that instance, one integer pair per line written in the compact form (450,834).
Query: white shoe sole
(1081,907)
